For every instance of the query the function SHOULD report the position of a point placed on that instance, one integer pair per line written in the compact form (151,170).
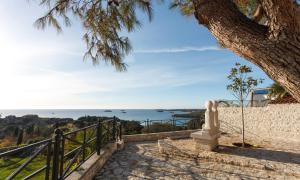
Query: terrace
(101,151)
(144,160)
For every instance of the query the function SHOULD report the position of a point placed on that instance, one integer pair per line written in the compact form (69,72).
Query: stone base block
(205,144)
(204,140)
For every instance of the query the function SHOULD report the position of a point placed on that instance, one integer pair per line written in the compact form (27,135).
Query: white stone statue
(209,116)
(207,138)
(216,116)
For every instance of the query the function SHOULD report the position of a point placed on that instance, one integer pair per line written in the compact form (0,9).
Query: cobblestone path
(143,161)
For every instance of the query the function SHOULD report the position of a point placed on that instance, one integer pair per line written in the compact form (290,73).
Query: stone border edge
(89,168)
(160,135)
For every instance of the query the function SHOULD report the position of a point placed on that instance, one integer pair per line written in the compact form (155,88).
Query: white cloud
(53,88)
(180,50)
(31,76)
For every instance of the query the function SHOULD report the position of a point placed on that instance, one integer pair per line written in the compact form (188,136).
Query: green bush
(195,123)
(131,127)
(161,127)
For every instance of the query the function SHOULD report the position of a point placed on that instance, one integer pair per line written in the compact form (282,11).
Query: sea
(125,114)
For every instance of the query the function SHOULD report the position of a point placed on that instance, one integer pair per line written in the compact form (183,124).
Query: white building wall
(273,122)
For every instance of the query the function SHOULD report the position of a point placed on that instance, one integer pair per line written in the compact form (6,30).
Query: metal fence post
(147,125)
(62,152)
(120,135)
(114,128)
(47,173)
(199,123)
(84,145)
(98,138)
(173,123)
(56,149)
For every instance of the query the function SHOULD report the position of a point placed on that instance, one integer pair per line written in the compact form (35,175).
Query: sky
(175,63)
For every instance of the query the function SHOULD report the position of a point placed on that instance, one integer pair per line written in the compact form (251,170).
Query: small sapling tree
(241,84)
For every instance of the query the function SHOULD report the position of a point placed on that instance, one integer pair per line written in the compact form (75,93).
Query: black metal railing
(171,124)
(247,103)
(65,152)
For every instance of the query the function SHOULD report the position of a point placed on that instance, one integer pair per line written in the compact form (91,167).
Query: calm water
(131,114)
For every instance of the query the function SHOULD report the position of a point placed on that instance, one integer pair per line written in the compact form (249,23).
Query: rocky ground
(143,161)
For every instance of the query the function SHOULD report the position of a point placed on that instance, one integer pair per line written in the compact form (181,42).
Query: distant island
(183,110)
(193,114)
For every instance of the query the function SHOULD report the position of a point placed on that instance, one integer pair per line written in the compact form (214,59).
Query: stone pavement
(143,161)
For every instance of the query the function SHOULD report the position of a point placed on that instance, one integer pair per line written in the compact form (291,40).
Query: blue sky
(175,64)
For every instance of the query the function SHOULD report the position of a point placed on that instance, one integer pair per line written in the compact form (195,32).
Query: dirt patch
(267,158)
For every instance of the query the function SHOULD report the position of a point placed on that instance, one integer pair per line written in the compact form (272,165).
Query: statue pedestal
(205,140)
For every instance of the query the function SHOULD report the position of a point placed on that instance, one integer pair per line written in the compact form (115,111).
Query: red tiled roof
(284,100)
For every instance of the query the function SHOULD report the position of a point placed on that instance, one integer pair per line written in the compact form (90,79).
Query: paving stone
(143,161)
(118,171)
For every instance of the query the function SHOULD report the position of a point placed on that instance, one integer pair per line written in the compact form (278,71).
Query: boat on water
(160,110)
(107,111)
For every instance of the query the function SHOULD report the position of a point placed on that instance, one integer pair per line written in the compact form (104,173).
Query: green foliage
(103,21)
(195,123)
(86,121)
(20,137)
(277,91)
(161,127)
(240,87)
(131,127)
(186,7)
(16,132)
(247,7)
(9,165)
(240,82)
(30,129)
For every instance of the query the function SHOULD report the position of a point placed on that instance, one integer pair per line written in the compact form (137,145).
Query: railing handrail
(102,132)
(13,151)
(87,127)
(247,103)
(78,130)
(56,149)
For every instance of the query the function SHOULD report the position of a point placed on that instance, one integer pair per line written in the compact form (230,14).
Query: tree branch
(278,57)
(283,16)
(231,28)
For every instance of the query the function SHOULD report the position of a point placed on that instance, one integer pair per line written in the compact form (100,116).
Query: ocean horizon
(125,114)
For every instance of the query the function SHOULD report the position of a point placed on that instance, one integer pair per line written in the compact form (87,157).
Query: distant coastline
(34,127)
(131,114)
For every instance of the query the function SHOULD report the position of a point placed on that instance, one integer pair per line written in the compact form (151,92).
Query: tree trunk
(243,123)
(275,47)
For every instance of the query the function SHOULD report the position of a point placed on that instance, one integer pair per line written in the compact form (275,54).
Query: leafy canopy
(240,82)
(186,7)
(103,20)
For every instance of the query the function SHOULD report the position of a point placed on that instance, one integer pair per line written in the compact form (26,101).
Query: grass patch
(9,165)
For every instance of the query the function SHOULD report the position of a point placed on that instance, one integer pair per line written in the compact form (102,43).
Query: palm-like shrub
(277,91)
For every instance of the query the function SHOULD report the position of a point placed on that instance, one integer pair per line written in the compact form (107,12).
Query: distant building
(260,97)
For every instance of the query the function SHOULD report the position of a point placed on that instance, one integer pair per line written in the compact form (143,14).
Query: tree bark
(283,16)
(275,48)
